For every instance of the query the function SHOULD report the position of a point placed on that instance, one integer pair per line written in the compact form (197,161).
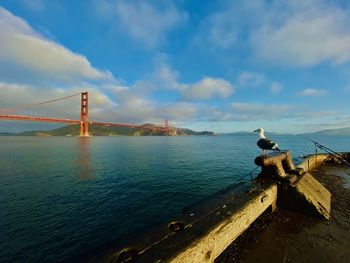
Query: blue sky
(208,65)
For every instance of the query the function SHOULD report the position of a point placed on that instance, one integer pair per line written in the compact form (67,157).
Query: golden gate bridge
(16,114)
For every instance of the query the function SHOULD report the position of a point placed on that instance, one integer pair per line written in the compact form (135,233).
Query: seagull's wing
(275,146)
(267,144)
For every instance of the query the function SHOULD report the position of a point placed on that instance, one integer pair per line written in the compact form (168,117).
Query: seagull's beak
(256,130)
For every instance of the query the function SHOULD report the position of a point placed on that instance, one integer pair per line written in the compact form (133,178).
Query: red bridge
(84,122)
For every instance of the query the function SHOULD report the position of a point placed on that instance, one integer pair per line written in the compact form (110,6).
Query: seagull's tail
(277,149)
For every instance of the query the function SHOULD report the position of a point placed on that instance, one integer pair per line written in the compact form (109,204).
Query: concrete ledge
(313,161)
(226,228)
(200,235)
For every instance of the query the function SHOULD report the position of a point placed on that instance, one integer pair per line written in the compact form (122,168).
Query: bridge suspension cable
(95,100)
(28,106)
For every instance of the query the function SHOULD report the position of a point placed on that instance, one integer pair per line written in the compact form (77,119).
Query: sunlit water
(63,196)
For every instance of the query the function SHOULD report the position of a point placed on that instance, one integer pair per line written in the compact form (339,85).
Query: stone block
(306,195)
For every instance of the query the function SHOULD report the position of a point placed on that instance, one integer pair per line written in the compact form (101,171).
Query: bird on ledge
(264,143)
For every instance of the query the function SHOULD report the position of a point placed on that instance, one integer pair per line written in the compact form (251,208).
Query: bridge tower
(166,127)
(84,115)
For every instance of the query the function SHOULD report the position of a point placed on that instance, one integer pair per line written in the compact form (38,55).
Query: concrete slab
(306,195)
(207,248)
(315,194)
(200,234)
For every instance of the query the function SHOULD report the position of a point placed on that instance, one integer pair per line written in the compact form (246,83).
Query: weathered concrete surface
(306,196)
(285,236)
(314,193)
(277,165)
(301,192)
(313,161)
(214,242)
(205,232)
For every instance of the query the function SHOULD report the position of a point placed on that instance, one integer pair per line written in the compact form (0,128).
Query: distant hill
(246,133)
(330,132)
(74,130)
(6,134)
(240,133)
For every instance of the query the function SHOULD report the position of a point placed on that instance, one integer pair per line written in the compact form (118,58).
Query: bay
(62,196)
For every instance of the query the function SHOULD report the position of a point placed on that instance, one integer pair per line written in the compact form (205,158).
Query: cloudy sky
(207,65)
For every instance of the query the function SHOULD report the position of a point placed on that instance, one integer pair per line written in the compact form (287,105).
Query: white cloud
(136,103)
(275,87)
(288,33)
(303,34)
(313,93)
(251,79)
(32,53)
(253,112)
(259,111)
(255,79)
(133,106)
(259,108)
(208,88)
(222,30)
(321,114)
(223,27)
(180,111)
(246,111)
(165,78)
(144,21)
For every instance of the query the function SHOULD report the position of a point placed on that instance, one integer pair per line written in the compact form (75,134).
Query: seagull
(264,143)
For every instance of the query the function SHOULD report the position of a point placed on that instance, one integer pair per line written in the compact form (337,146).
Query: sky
(222,65)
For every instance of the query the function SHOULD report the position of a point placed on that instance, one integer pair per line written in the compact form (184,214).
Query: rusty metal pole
(84,115)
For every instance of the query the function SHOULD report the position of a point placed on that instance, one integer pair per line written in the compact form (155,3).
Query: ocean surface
(63,196)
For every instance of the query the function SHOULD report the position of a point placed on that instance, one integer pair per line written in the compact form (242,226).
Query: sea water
(63,196)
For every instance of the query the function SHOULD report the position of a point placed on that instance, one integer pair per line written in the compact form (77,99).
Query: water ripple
(62,196)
